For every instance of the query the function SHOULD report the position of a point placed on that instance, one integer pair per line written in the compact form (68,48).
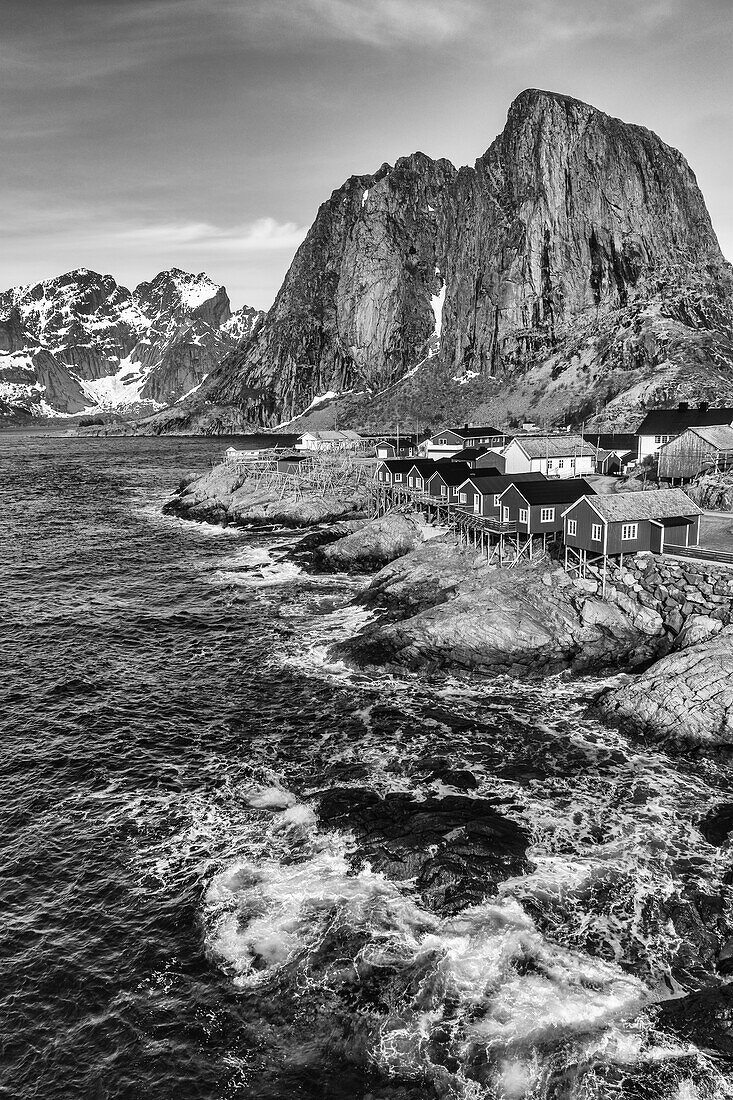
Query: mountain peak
(568,228)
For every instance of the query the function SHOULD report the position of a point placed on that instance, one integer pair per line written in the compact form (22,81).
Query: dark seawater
(202,895)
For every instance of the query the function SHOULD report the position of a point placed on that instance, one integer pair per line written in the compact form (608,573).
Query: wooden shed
(697,449)
(625,523)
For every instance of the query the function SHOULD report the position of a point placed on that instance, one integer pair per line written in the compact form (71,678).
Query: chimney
(683,406)
(703,406)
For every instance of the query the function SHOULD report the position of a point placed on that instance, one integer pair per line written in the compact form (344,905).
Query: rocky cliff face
(358,306)
(81,342)
(573,268)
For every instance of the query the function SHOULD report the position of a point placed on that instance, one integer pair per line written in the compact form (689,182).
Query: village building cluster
(529,484)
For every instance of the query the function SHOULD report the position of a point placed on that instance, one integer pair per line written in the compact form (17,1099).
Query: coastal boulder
(500,619)
(687,696)
(374,545)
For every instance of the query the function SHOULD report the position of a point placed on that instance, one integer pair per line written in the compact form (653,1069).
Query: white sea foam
(270,798)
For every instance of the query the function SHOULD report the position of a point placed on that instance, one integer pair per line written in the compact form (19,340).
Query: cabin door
(477,504)
(656,539)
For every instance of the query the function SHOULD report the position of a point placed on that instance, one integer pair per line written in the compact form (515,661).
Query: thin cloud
(262,235)
(382,23)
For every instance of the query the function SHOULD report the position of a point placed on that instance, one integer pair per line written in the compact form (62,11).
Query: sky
(139,135)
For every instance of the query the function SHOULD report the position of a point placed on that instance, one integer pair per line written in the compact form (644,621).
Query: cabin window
(454,493)
(398,477)
(662,438)
(443,440)
(505,514)
(463,498)
(596,532)
(496,500)
(547,515)
(443,491)
(418,483)
(523,515)
(477,503)
(572,463)
(549,464)
(560,463)
(629,531)
(572,526)
(411,482)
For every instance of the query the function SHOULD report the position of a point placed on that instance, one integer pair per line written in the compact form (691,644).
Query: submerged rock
(704,1018)
(687,696)
(456,848)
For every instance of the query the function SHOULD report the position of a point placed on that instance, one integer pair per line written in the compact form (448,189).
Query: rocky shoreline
(667,624)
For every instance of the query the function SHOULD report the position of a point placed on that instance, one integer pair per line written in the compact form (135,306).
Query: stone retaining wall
(672,589)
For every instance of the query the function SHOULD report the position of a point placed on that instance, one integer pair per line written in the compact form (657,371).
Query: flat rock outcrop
(686,697)
(227,496)
(530,620)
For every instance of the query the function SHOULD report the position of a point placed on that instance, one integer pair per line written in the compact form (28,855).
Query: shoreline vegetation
(664,623)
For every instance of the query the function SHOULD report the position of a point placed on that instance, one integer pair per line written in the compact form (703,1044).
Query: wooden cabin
(418,474)
(536,507)
(625,523)
(696,450)
(561,456)
(402,446)
(659,426)
(481,494)
(393,471)
(443,482)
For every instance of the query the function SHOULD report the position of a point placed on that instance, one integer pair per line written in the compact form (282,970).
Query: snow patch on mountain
(80,342)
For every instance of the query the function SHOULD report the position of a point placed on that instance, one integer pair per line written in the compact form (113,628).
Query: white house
(565,455)
(329,441)
(659,426)
(449,441)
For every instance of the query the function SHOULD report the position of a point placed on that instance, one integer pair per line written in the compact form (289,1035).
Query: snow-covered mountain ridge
(81,343)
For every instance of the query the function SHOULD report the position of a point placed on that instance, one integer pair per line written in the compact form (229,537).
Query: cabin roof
(617,442)
(719,436)
(555,491)
(424,466)
(408,440)
(488,483)
(332,436)
(657,504)
(399,464)
(554,446)
(468,431)
(468,454)
(452,473)
(675,421)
